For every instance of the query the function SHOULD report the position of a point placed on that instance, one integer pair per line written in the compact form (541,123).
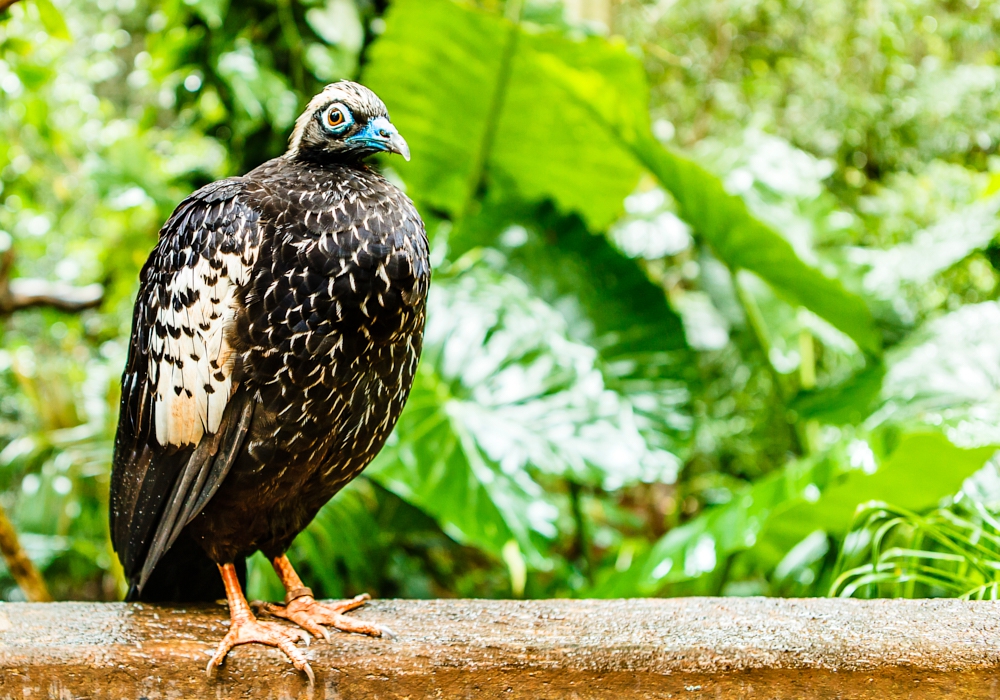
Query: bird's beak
(379,135)
(397,144)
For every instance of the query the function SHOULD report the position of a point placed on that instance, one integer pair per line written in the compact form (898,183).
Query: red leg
(244,628)
(301,608)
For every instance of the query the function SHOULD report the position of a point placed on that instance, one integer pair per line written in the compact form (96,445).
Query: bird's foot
(315,617)
(249,630)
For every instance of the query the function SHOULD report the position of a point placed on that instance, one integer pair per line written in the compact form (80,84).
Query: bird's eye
(334,117)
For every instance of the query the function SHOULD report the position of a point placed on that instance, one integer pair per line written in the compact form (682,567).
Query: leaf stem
(807,364)
(758,329)
(478,175)
(722,574)
(582,531)
(293,38)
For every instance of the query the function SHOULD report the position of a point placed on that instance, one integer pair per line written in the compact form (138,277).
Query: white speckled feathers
(205,256)
(275,338)
(193,375)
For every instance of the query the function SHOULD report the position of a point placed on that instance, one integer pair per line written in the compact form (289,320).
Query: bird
(275,337)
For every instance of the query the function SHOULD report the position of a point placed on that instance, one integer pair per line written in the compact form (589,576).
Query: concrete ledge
(675,648)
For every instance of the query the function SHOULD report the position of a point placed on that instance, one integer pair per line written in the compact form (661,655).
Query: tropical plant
(952,551)
(682,322)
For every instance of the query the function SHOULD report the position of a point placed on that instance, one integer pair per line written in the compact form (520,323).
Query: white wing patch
(192,379)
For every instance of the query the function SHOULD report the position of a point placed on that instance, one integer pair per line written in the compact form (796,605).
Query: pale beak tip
(400,146)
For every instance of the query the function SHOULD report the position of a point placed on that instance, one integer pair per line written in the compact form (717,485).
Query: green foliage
(912,476)
(951,552)
(503,395)
(701,289)
(467,86)
(737,238)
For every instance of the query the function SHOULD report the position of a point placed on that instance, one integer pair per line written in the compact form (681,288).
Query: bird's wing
(183,415)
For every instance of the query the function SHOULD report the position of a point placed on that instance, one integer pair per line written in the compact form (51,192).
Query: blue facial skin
(380,135)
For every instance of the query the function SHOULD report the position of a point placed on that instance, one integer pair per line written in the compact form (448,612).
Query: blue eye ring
(337,118)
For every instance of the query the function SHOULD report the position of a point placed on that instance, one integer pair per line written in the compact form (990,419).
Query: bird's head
(345,122)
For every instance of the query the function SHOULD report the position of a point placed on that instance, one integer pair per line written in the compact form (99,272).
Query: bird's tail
(184,574)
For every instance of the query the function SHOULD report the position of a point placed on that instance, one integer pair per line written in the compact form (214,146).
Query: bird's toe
(316,617)
(268,633)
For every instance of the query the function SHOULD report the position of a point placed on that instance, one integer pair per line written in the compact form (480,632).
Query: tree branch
(20,566)
(25,293)
(4,4)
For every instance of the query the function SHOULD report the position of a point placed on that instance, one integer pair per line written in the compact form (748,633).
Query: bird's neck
(315,157)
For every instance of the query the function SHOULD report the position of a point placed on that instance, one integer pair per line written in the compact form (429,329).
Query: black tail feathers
(184,574)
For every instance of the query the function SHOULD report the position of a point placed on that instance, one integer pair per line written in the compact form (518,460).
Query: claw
(315,617)
(244,628)
(252,631)
(302,609)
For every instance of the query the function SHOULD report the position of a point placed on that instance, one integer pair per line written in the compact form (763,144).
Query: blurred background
(715,298)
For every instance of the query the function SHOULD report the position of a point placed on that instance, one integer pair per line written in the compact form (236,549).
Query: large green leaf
(849,402)
(567,265)
(504,399)
(467,90)
(698,547)
(931,251)
(722,220)
(607,299)
(53,20)
(778,511)
(612,305)
(920,472)
(947,374)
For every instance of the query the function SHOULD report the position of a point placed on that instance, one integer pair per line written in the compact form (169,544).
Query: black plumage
(275,338)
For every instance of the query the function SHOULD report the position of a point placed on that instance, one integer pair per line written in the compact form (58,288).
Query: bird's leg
(244,628)
(301,608)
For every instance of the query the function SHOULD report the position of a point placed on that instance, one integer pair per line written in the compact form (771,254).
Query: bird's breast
(371,275)
(337,308)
